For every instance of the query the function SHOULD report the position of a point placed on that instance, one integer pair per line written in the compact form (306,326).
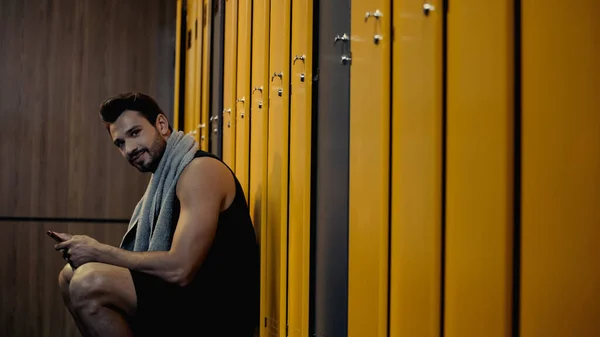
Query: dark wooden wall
(59,59)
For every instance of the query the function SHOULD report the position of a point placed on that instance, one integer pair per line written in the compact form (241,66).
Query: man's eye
(135,133)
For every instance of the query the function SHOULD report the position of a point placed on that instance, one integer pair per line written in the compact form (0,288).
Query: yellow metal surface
(203,123)
(259,99)
(416,205)
(300,173)
(277,178)
(198,60)
(479,207)
(191,83)
(229,82)
(560,277)
(242,104)
(178,66)
(369,168)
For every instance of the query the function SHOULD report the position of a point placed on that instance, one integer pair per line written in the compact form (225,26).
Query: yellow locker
(259,104)
(197,45)
(416,204)
(178,66)
(369,168)
(203,123)
(277,166)
(560,278)
(229,82)
(242,101)
(191,83)
(479,195)
(300,172)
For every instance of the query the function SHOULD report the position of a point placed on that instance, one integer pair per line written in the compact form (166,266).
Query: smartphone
(54,236)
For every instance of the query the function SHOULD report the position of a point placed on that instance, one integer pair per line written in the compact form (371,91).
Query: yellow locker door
(416,205)
(198,50)
(300,172)
(369,168)
(191,70)
(178,66)
(277,166)
(242,101)
(560,277)
(203,123)
(229,82)
(258,144)
(479,185)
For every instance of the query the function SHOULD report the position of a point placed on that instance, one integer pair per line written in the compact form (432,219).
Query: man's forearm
(160,263)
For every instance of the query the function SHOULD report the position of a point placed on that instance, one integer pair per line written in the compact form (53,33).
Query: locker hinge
(287,327)
(196,30)
(265,322)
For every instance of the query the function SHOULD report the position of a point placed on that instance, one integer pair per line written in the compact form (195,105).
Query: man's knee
(89,286)
(65,276)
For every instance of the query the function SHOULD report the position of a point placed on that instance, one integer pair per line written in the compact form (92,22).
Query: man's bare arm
(204,189)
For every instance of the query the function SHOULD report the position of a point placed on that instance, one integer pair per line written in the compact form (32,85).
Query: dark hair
(113,107)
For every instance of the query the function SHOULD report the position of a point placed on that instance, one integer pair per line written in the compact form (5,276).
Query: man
(189,262)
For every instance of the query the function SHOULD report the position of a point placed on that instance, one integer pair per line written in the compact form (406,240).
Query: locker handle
(302,58)
(377,14)
(279,74)
(260,89)
(298,57)
(344,38)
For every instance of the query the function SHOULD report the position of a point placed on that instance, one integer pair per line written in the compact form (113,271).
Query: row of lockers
(413,168)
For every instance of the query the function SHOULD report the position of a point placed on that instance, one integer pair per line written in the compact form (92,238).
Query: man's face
(140,142)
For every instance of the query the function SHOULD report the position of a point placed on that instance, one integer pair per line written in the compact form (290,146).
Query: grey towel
(150,227)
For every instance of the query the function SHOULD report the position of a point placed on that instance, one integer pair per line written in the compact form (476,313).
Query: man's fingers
(62,245)
(64,236)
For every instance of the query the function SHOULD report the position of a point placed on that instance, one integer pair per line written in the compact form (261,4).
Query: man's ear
(162,124)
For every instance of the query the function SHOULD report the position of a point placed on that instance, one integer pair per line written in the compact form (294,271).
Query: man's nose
(130,149)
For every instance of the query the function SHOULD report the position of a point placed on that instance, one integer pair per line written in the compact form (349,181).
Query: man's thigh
(110,285)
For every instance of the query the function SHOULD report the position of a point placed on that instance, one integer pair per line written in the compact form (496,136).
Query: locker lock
(427,8)
(346,59)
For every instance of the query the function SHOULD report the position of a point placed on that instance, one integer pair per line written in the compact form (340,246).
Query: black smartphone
(54,236)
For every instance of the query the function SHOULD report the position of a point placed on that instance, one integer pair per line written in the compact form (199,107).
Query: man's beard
(155,153)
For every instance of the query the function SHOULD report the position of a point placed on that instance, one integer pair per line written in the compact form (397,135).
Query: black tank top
(227,285)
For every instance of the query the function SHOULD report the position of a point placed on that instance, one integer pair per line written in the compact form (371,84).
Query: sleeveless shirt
(226,287)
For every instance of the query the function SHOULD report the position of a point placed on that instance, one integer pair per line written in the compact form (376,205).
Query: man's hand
(79,249)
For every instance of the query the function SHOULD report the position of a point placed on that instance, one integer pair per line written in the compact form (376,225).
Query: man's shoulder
(204,169)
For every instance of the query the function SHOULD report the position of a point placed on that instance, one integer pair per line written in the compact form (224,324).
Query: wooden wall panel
(30,301)
(59,61)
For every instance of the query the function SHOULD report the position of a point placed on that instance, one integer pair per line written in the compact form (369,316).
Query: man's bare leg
(64,280)
(101,296)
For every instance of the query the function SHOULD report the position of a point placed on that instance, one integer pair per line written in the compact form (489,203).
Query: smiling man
(189,261)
